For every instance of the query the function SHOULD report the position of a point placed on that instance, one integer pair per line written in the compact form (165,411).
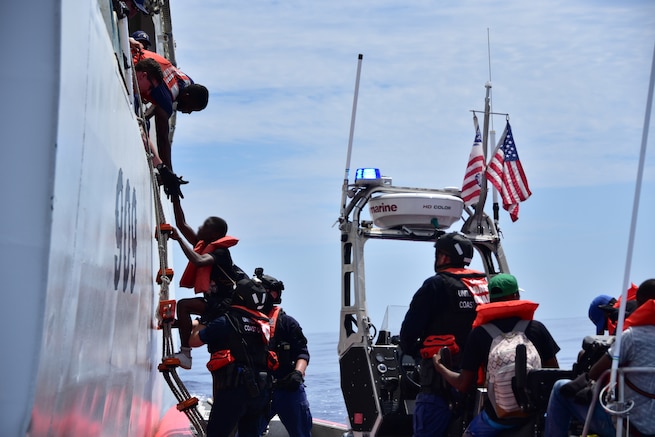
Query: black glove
(171,181)
(580,389)
(291,382)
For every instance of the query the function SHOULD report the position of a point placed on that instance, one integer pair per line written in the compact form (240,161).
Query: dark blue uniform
(443,305)
(289,400)
(242,388)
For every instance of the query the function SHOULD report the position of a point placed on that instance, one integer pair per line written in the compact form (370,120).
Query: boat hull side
(83,243)
(98,369)
(28,121)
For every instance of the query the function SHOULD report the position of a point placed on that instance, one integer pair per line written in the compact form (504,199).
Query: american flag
(474,169)
(505,172)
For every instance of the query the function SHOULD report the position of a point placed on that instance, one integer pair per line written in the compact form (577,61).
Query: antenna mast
(495,205)
(344,189)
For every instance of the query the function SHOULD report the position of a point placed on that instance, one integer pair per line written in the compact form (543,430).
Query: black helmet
(271,284)
(251,295)
(458,248)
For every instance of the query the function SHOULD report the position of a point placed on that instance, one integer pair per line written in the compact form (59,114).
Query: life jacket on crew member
(199,278)
(246,360)
(465,289)
(461,290)
(174,79)
(282,348)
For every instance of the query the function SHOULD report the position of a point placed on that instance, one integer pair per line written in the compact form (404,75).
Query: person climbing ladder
(210,271)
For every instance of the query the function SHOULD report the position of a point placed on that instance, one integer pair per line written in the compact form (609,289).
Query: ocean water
(323,380)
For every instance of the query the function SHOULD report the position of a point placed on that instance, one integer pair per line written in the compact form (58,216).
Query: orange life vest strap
(273,315)
(262,320)
(475,281)
(272,361)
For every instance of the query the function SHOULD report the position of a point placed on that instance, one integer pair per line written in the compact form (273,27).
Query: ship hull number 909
(126,241)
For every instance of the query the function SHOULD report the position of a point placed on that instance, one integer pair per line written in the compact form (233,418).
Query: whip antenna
(350,137)
(494,192)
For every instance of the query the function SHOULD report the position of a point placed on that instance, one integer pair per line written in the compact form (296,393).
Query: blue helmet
(142,37)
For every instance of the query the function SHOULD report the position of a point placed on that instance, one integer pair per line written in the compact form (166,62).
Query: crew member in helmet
(441,314)
(289,400)
(142,38)
(492,320)
(238,344)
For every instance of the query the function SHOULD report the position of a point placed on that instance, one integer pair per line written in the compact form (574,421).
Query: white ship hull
(76,233)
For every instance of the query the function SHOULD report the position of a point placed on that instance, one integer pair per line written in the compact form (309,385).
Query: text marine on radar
(384,208)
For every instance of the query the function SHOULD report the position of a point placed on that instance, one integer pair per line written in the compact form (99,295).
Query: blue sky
(269,152)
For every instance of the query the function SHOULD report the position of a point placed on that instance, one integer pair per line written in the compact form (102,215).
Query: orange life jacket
(196,277)
(273,362)
(273,315)
(262,320)
(223,357)
(524,309)
(643,315)
(632,295)
(477,286)
(172,75)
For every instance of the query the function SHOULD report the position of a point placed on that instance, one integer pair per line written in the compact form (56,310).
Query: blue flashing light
(367,174)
